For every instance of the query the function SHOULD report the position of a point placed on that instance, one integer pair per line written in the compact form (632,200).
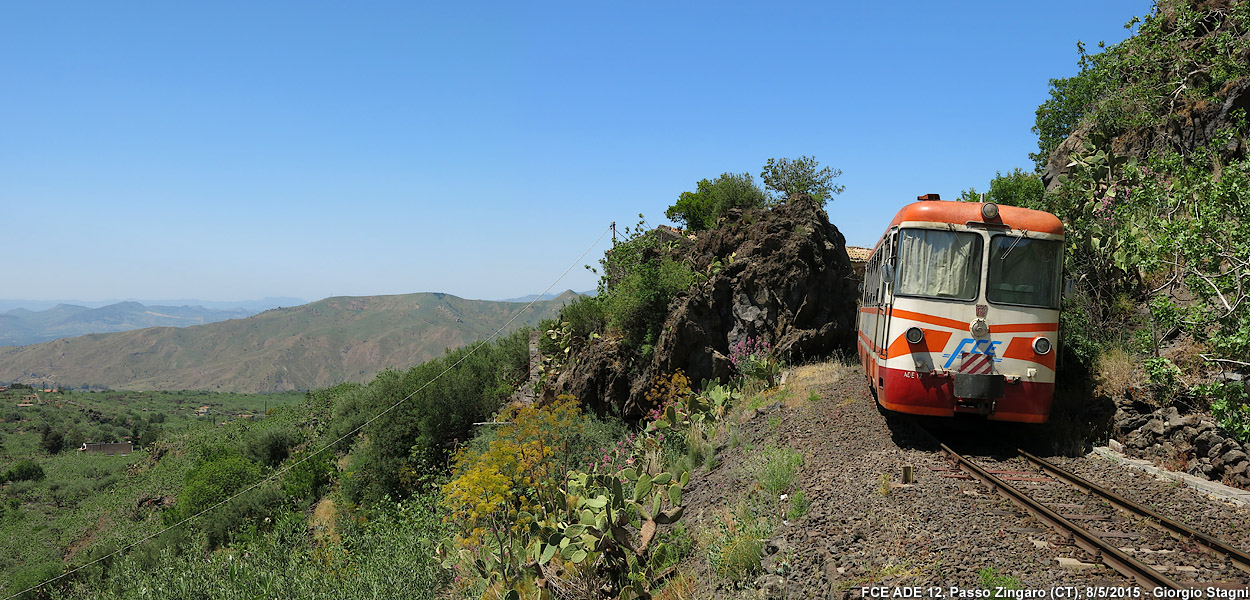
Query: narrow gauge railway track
(1043,497)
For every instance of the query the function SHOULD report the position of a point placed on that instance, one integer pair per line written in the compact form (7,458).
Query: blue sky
(241,150)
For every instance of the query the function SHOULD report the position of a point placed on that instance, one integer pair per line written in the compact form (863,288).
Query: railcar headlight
(1041,345)
(914,335)
(989,210)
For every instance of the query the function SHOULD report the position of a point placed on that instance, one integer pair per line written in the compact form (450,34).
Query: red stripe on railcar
(925,394)
(934,341)
(930,319)
(1025,328)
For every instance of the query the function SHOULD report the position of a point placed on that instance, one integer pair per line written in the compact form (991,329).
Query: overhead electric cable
(297,463)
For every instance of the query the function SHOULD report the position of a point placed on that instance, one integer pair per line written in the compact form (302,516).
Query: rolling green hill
(305,347)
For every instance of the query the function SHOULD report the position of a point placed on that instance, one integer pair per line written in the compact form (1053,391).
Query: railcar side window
(1025,271)
(939,264)
(872,280)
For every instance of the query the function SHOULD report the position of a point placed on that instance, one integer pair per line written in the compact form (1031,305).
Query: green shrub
(1165,377)
(788,178)
(392,555)
(216,478)
(32,575)
(1017,188)
(1230,405)
(247,514)
(25,470)
(993,580)
(172,543)
(72,492)
(438,413)
(799,505)
(51,440)
(306,480)
(271,446)
(712,199)
(640,277)
(638,304)
(675,545)
(736,548)
(585,315)
(779,469)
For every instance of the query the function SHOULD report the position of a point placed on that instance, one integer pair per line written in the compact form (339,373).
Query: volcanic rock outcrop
(781,276)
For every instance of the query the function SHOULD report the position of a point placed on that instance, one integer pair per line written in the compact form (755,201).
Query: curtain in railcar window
(940,264)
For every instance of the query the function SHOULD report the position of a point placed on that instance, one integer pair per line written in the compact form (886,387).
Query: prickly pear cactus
(613,519)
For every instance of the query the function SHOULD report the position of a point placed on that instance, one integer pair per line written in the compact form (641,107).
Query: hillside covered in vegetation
(306,347)
(1143,154)
(430,482)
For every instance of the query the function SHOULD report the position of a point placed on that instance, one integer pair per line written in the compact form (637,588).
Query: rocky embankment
(781,276)
(1191,443)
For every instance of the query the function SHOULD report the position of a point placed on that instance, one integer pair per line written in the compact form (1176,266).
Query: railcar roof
(940,211)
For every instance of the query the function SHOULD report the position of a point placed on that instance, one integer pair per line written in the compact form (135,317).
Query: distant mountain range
(548,296)
(20,326)
(305,347)
(254,306)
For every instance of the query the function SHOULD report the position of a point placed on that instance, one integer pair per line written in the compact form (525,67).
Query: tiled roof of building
(858,254)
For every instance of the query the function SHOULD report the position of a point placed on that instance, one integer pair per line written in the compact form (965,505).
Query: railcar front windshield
(1025,271)
(939,264)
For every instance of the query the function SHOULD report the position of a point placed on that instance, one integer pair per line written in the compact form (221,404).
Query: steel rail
(1239,559)
(1101,550)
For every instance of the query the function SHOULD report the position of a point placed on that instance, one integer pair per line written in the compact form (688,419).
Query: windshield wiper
(1013,245)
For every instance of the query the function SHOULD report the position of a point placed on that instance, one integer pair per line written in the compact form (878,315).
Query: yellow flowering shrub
(498,492)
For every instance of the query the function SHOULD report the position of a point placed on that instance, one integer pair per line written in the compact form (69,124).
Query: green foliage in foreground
(259,542)
(390,556)
(91,501)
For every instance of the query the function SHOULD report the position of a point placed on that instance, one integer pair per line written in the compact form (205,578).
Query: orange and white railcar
(960,311)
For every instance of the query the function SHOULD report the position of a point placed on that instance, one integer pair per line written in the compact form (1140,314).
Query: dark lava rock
(598,374)
(790,284)
(785,279)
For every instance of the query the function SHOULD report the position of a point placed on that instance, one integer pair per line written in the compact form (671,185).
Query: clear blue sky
(237,150)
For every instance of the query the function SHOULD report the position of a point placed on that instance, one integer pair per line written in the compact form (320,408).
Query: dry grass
(323,521)
(1118,373)
(807,383)
(808,377)
(1186,354)
(681,587)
